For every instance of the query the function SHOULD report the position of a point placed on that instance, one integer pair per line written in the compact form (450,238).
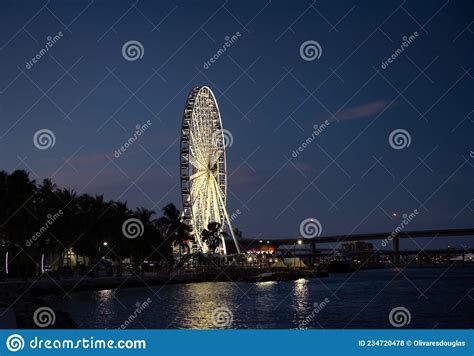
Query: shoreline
(50,286)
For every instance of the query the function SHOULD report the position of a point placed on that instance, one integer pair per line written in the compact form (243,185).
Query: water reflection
(300,299)
(281,304)
(265,286)
(106,306)
(199,302)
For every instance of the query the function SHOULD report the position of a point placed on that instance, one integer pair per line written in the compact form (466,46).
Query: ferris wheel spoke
(197,175)
(199,124)
(197,197)
(196,151)
(218,189)
(215,205)
(196,187)
(208,204)
(215,157)
(226,216)
(194,162)
(198,206)
(205,127)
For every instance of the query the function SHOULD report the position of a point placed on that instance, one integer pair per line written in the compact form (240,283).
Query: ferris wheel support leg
(230,228)
(228,221)
(232,232)
(224,248)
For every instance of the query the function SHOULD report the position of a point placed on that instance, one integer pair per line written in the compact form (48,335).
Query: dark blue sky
(349,178)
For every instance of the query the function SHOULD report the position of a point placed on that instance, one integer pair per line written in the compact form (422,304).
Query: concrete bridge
(389,237)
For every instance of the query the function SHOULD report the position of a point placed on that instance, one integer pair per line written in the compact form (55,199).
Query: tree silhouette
(37,219)
(212,236)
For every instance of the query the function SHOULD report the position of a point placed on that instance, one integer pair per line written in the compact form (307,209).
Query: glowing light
(249,259)
(394,214)
(300,242)
(261,241)
(6,263)
(105,243)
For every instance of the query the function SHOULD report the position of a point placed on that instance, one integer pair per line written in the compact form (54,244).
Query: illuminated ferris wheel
(203,167)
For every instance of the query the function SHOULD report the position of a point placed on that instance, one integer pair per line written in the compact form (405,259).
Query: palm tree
(174,229)
(67,228)
(120,213)
(3,205)
(212,236)
(85,222)
(143,243)
(20,191)
(20,224)
(95,215)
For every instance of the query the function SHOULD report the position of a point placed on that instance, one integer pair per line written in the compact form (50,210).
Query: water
(435,298)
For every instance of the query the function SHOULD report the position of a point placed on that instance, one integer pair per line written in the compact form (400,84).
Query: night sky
(349,178)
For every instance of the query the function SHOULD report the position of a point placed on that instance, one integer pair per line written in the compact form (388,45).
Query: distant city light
(300,242)
(268,242)
(394,214)
(249,259)
(261,241)
(105,243)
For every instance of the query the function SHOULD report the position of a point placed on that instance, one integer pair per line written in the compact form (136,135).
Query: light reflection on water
(106,306)
(301,298)
(199,300)
(285,304)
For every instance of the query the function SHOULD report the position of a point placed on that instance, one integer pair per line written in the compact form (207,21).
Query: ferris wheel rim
(214,187)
